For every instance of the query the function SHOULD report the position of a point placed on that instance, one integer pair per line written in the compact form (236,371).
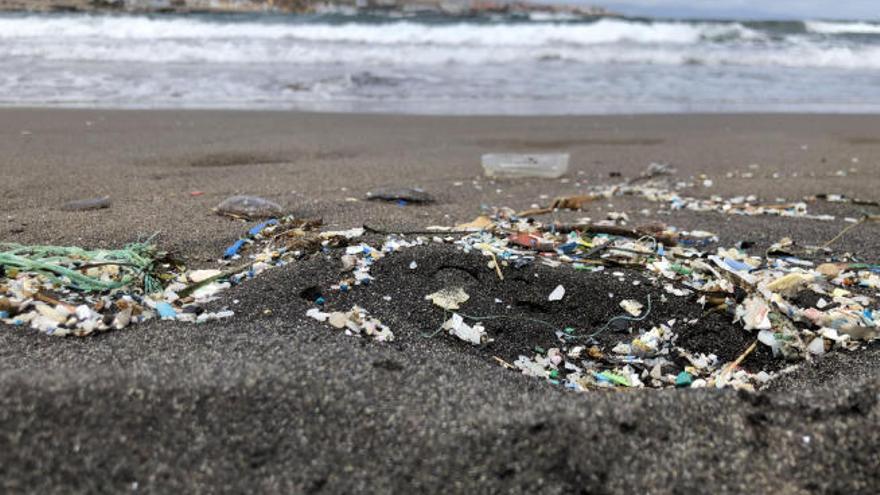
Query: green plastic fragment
(615,378)
(554,374)
(539,349)
(569,330)
(684,379)
(681,270)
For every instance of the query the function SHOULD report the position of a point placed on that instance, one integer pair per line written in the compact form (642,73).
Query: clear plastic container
(513,165)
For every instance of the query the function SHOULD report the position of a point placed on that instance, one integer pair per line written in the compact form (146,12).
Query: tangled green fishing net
(66,265)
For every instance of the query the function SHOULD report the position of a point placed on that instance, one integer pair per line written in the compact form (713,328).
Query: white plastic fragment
(474,334)
(767,338)
(632,307)
(317,314)
(817,346)
(557,294)
(197,276)
(754,313)
(449,298)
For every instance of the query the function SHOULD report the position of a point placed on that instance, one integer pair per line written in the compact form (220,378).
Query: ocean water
(539,64)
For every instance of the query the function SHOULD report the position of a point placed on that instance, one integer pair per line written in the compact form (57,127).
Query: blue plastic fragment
(320,301)
(343,287)
(600,377)
(660,250)
(568,247)
(4,314)
(166,311)
(737,265)
(234,248)
(259,228)
(401,202)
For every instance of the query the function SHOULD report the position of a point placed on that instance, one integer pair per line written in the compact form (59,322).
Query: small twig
(373,230)
(503,363)
(535,212)
(497,267)
(843,232)
(106,263)
(51,300)
(740,359)
(614,230)
(224,274)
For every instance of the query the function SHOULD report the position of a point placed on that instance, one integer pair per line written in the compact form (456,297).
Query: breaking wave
(843,27)
(247,60)
(382,33)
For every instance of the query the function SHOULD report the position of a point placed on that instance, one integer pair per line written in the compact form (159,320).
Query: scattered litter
(355,322)
(799,303)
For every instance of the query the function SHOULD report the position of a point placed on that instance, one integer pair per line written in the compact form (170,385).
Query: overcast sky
(826,9)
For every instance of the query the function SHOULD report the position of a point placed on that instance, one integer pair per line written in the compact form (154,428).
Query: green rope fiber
(62,265)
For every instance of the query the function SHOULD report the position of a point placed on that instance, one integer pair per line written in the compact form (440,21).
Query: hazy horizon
(744,9)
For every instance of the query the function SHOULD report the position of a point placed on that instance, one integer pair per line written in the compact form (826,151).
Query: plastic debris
(73,291)
(789,284)
(249,207)
(356,321)
(797,302)
(632,307)
(754,313)
(557,294)
(449,298)
(482,222)
(473,334)
(511,165)
(202,275)
(684,379)
(166,311)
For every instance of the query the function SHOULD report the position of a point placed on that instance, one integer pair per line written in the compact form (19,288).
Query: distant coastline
(445,7)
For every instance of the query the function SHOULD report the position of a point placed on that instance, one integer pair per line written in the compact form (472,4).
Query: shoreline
(452,9)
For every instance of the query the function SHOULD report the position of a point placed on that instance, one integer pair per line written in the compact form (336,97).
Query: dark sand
(271,401)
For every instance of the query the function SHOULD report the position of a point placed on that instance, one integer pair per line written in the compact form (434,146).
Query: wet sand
(272,401)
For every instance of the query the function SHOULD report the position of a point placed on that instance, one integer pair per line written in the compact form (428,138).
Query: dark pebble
(409,194)
(87,204)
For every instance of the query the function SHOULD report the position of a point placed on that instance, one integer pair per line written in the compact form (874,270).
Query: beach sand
(272,401)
